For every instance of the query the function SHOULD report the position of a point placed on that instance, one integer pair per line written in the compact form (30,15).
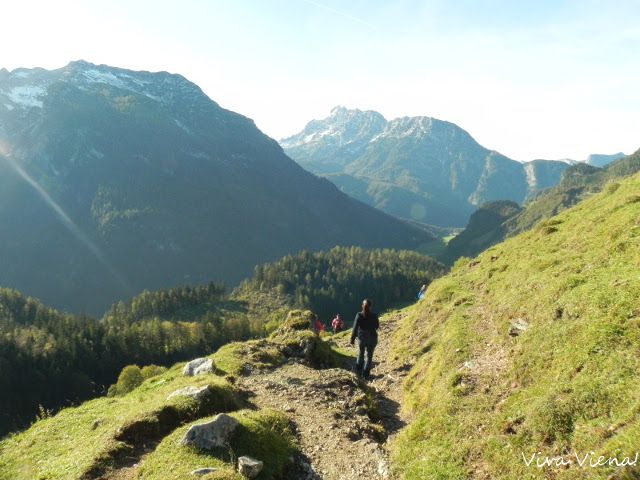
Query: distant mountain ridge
(113,181)
(601,160)
(494,222)
(420,168)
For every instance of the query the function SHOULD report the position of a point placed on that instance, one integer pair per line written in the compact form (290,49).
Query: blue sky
(543,79)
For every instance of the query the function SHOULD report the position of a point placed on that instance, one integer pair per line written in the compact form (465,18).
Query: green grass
(93,438)
(290,339)
(265,435)
(235,358)
(568,383)
(448,238)
(80,439)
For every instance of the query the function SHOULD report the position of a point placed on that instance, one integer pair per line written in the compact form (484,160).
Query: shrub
(130,377)
(149,371)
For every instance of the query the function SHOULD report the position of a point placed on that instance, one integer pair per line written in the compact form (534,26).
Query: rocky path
(342,424)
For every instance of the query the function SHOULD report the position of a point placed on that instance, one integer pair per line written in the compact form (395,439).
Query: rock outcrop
(198,366)
(198,393)
(249,467)
(215,433)
(203,471)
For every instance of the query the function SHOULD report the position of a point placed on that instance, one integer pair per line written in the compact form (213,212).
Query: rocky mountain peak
(25,88)
(342,127)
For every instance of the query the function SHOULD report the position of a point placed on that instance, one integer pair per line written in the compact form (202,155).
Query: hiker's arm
(354,330)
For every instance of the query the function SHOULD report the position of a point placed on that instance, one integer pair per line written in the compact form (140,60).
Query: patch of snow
(569,161)
(8,107)
(182,126)
(21,74)
(135,80)
(27,96)
(95,153)
(531,175)
(109,78)
(376,137)
(152,97)
(317,136)
(406,127)
(200,155)
(122,80)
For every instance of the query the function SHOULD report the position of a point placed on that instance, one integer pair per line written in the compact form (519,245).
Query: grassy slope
(568,383)
(578,183)
(71,443)
(262,434)
(80,441)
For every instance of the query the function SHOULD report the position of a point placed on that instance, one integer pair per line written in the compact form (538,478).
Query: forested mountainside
(336,281)
(114,181)
(49,359)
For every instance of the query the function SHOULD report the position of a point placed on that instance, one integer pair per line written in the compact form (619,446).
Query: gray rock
(383,469)
(203,471)
(469,364)
(211,434)
(194,392)
(198,367)
(249,467)
(517,327)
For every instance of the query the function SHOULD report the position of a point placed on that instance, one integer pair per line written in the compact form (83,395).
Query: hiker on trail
(337,324)
(319,326)
(365,329)
(422,292)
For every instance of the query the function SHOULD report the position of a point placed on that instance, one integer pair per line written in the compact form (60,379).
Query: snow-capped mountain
(113,181)
(27,88)
(419,168)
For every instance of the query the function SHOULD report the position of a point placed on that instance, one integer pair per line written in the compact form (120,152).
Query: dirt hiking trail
(343,431)
(343,424)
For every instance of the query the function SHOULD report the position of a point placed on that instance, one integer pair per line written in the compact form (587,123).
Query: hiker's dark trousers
(363,367)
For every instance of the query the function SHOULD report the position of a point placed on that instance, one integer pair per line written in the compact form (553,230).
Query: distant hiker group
(365,329)
(337,324)
(422,292)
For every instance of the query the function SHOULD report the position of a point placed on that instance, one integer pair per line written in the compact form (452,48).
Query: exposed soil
(342,423)
(343,431)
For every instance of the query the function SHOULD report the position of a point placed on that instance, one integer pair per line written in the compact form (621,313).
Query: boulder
(249,467)
(203,471)
(212,434)
(198,367)
(194,392)
(518,327)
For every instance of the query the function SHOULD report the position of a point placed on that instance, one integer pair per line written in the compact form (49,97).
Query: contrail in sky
(338,12)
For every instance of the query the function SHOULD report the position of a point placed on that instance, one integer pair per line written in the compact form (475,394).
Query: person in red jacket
(319,326)
(337,324)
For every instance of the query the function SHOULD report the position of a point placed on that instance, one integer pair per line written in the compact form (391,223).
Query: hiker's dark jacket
(364,328)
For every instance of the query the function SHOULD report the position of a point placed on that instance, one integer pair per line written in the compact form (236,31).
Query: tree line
(337,280)
(49,359)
